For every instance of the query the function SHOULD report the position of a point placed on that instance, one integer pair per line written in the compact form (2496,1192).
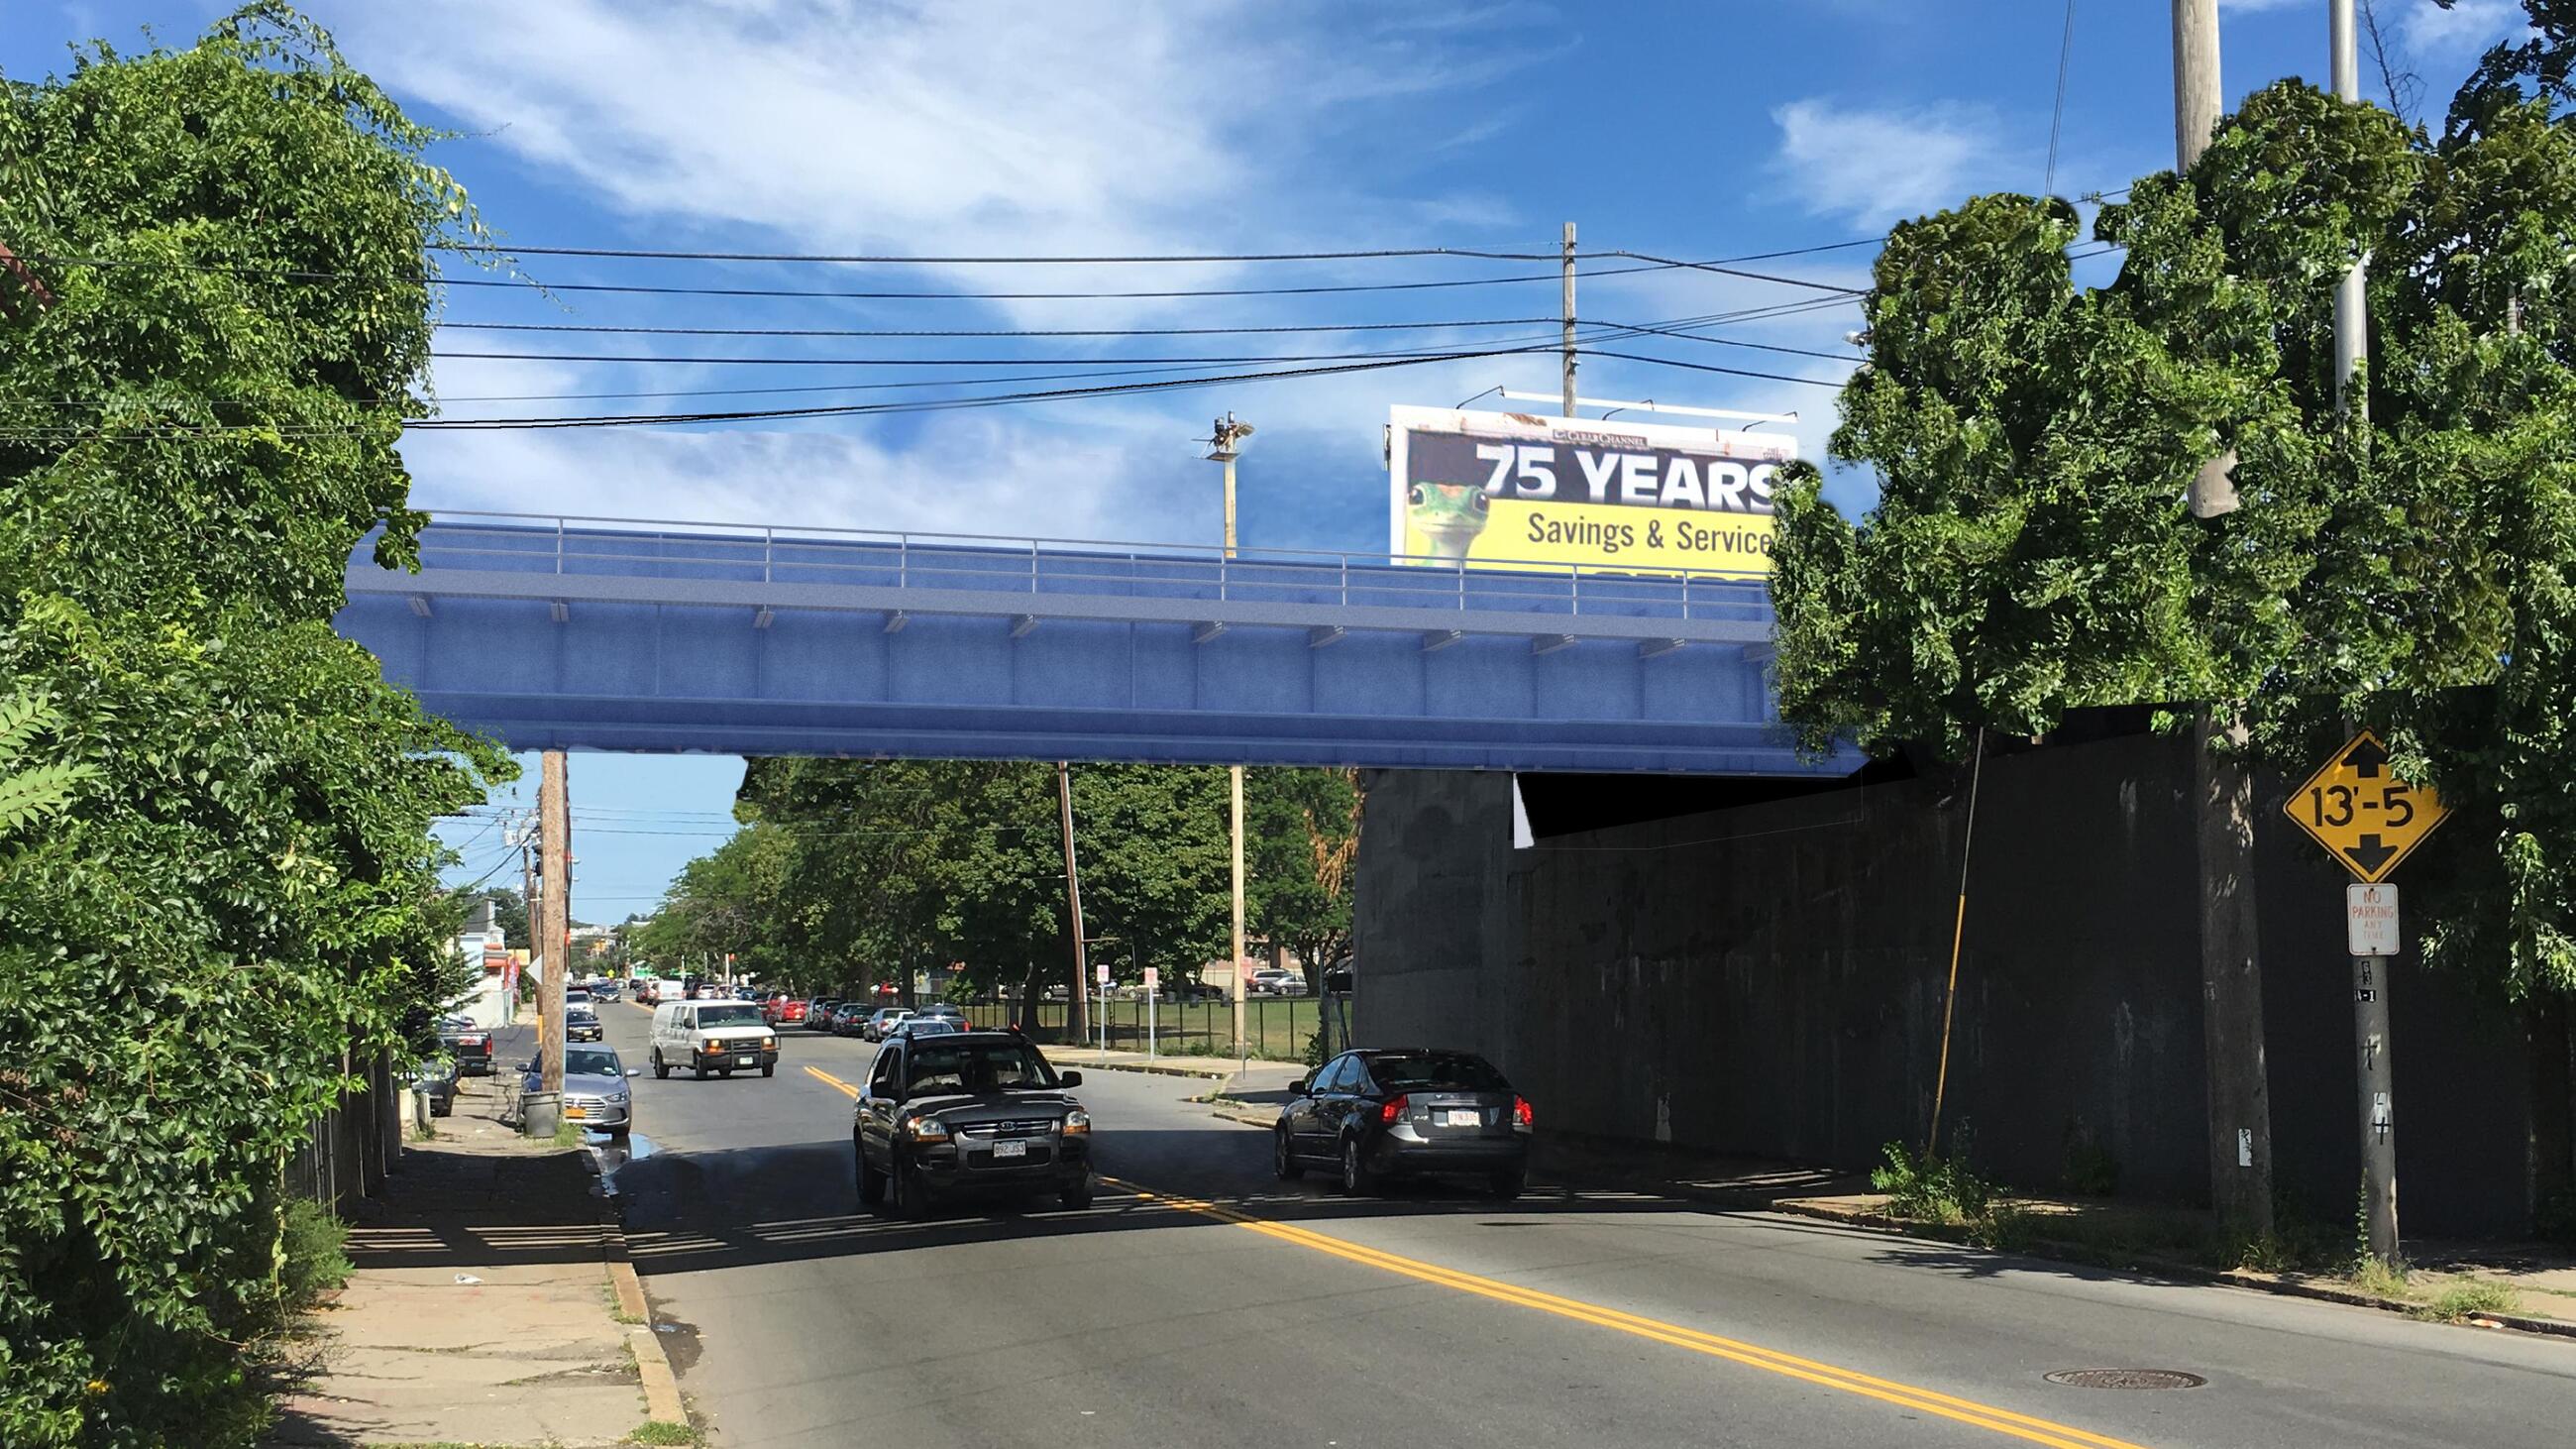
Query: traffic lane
(1258,1331)
(1135,1322)
(1885,1305)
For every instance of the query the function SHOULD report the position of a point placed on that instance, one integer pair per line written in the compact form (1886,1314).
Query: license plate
(1469,1117)
(576,1111)
(750,1061)
(1010,1149)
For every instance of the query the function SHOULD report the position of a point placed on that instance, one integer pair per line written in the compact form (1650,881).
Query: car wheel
(910,1194)
(698,1071)
(872,1183)
(1357,1180)
(769,1069)
(661,1068)
(1283,1158)
(1076,1195)
(621,1133)
(1508,1183)
(725,1072)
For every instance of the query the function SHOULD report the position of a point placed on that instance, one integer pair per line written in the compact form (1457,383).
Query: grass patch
(2468,1298)
(2381,1279)
(662,1431)
(313,1248)
(1941,1190)
(567,1134)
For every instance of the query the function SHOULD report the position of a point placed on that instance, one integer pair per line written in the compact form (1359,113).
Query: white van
(712,1036)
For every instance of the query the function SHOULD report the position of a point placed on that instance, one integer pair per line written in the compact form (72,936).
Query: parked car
(948,1009)
(949,1113)
(581,1023)
(723,1037)
(818,1012)
(436,1080)
(576,996)
(924,1025)
(847,1018)
(608,990)
(881,1020)
(595,1094)
(1377,1113)
(1274,982)
(469,1044)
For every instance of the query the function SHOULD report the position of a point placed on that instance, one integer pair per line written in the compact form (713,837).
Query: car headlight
(1077,1123)
(768,1042)
(925,1129)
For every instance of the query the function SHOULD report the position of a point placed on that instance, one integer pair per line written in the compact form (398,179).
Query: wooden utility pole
(2373,1042)
(1242,977)
(2231,970)
(554,828)
(1074,1001)
(1569,319)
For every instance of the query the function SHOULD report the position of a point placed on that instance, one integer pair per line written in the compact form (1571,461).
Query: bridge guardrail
(569,544)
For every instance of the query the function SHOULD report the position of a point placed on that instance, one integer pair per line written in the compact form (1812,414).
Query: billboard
(1513,490)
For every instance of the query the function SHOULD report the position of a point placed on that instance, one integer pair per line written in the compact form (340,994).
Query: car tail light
(1521,1113)
(1392,1110)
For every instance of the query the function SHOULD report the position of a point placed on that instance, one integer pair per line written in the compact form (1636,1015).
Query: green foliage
(662,1431)
(29,794)
(2380,1279)
(243,864)
(2469,1298)
(1935,1189)
(312,1253)
(2091,1170)
(849,873)
(2031,552)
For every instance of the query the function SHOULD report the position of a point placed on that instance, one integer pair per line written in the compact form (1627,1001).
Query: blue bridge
(604,634)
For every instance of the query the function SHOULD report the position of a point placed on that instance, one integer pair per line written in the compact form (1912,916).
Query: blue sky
(1109,126)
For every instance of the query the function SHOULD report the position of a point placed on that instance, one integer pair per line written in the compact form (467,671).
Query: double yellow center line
(1750,1355)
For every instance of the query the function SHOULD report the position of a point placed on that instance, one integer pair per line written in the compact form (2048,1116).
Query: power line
(988,331)
(887,259)
(2057,110)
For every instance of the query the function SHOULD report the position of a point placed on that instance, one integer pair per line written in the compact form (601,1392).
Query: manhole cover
(2126,1379)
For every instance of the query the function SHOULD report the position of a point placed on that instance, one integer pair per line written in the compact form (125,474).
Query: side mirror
(1304,1086)
(1071,1079)
(634,1071)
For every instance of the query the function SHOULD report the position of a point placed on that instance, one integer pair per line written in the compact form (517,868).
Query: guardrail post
(559,543)
(768,550)
(1573,589)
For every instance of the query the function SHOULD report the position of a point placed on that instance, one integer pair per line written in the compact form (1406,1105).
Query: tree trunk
(2231,973)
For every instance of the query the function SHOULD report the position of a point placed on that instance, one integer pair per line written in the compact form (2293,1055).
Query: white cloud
(1878,166)
(2460,34)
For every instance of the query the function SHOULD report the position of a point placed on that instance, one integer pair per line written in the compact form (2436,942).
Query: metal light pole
(1226,440)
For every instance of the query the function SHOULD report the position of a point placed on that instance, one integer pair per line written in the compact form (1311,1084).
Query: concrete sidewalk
(1256,1078)
(491,1305)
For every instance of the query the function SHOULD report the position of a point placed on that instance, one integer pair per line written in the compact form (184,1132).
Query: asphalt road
(1201,1303)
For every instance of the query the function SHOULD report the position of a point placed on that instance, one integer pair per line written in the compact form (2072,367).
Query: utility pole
(1228,438)
(527,907)
(1077,1000)
(2231,970)
(2372,1039)
(1569,319)
(554,846)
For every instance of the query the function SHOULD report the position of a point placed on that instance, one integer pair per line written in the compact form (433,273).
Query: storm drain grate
(2126,1379)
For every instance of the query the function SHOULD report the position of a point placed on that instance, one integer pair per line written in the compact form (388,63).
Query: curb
(661,1383)
(2165,1267)
(1213,1074)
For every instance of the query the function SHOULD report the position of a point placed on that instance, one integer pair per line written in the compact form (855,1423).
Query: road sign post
(1153,996)
(2369,819)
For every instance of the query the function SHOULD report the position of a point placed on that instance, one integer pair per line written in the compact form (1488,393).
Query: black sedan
(582,1024)
(953,1113)
(1379,1113)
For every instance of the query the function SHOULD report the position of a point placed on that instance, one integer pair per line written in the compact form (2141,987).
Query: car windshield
(729,1014)
(591,1061)
(1435,1071)
(976,1067)
(582,1014)
(929,1025)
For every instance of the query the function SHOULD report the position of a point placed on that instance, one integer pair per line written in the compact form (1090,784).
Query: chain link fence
(1277,1028)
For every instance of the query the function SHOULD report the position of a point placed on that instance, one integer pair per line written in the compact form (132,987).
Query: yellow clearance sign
(1513,490)
(2357,808)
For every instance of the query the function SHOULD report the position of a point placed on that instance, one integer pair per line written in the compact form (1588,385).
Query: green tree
(1301,843)
(197,423)
(2030,552)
